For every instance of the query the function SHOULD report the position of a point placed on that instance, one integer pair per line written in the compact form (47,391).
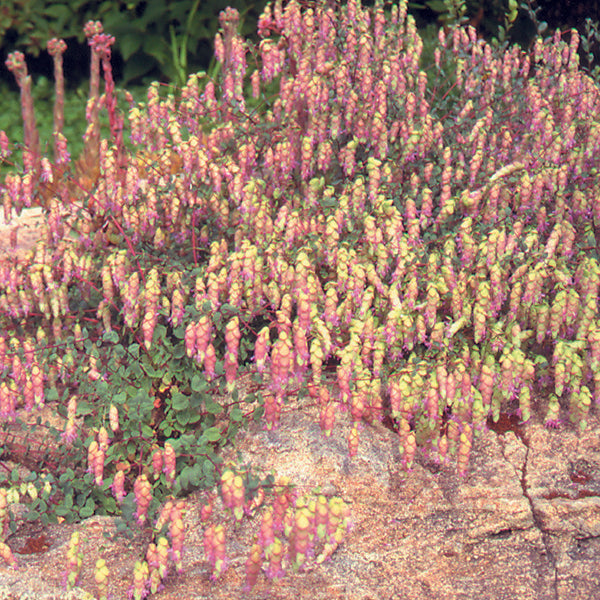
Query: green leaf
(150,370)
(130,44)
(120,398)
(236,414)
(147,431)
(196,400)
(68,502)
(590,237)
(49,518)
(135,370)
(179,332)
(160,332)
(208,468)
(232,429)
(32,515)
(137,66)
(212,407)
(88,509)
(62,511)
(51,395)
(155,46)
(58,11)
(183,418)
(109,504)
(328,202)
(258,413)
(213,434)
(180,401)
(84,408)
(142,400)
(194,416)
(183,478)
(179,351)
(209,480)
(111,337)
(198,383)
(102,388)
(196,474)
(228,310)
(119,351)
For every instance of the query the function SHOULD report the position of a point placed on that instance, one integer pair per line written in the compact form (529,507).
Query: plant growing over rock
(326,220)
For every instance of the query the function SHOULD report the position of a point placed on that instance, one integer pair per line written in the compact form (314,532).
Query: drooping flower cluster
(233,493)
(101,576)
(214,549)
(293,531)
(74,561)
(142,489)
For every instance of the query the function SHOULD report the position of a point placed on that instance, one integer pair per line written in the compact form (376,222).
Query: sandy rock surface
(525,523)
(19,235)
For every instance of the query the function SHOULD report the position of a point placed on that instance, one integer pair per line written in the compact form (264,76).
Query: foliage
(448,11)
(172,37)
(496,20)
(590,44)
(75,120)
(325,219)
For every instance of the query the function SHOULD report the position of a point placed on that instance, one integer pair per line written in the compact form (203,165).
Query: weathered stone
(563,483)
(524,523)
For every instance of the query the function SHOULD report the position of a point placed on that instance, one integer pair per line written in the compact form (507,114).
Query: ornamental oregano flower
(169,467)
(143,496)
(118,486)
(301,536)
(253,566)
(177,534)
(232,340)
(157,462)
(215,549)
(141,576)
(7,555)
(101,575)
(233,493)
(74,561)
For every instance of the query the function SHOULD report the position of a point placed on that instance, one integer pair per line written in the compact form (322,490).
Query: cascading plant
(329,218)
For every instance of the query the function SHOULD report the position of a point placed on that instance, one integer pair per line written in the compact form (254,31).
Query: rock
(19,234)
(563,483)
(524,523)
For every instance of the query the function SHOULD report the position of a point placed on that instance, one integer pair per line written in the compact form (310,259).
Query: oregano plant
(328,218)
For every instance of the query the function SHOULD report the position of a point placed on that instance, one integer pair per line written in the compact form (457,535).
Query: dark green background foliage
(167,40)
(151,36)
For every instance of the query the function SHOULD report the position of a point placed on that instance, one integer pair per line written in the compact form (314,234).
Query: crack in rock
(536,520)
(520,465)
